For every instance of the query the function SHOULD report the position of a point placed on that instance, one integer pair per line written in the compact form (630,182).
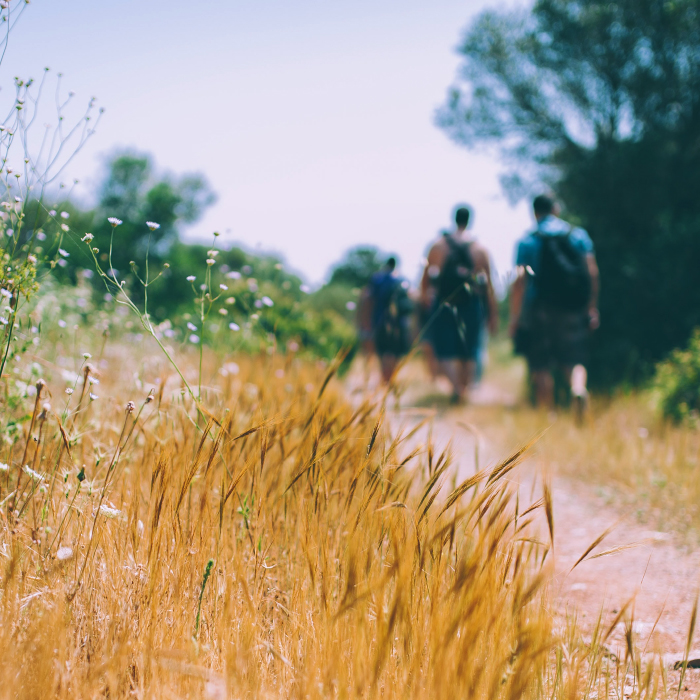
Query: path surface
(660,574)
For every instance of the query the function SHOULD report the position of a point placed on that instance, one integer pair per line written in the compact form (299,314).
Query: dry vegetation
(277,542)
(628,454)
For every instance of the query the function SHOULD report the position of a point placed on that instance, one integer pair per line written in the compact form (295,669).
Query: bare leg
(577,378)
(388,363)
(451,369)
(467,374)
(544,388)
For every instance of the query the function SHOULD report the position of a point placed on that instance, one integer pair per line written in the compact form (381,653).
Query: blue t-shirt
(382,286)
(527,250)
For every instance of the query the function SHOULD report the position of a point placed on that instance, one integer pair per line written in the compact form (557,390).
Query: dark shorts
(557,338)
(455,332)
(392,340)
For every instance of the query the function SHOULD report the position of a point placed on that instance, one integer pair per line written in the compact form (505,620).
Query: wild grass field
(272,540)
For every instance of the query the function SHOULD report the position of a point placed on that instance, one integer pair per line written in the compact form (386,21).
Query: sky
(313,121)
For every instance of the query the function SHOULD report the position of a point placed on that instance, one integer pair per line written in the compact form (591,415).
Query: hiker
(456,287)
(385,310)
(554,303)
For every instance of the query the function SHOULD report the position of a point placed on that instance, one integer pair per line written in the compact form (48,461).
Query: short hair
(543,204)
(462,215)
(390,263)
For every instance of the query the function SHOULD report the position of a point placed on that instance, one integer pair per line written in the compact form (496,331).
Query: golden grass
(277,543)
(627,453)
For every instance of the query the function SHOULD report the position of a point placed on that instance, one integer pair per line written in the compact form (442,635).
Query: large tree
(601,100)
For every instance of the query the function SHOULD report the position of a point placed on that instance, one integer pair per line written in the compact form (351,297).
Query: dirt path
(662,576)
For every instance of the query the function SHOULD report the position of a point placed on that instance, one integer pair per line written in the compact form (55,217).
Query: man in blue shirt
(550,336)
(384,315)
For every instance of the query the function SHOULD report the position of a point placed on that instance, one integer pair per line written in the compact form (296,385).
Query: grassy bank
(275,541)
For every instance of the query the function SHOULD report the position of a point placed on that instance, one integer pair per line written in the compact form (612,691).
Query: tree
(357,267)
(133,193)
(601,101)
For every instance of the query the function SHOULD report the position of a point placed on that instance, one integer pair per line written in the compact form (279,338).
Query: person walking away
(554,303)
(456,286)
(385,313)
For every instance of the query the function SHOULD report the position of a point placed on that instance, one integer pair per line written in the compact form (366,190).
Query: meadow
(270,538)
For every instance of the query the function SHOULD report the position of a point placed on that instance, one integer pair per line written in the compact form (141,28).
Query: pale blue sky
(312,120)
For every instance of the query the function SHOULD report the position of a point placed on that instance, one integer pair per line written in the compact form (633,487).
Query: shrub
(677,382)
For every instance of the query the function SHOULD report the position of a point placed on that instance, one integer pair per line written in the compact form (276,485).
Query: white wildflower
(87,237)
(4,467)
(210,261)
(65,215)
(41,236)
(109,512)
(64,553)
(62,323)
(230,300)
(223,287)
(52,212)
(69,391)
(234,326)
(223,312)
(87,355)
(351,306)
(32,259)
(3,320)
(258,304)
(65,227)
(10,232)
(191,326)
(63,253)
(6,293)
(234,275)
(212,253)
(267,301)
(153,225)
(305,288)
(114,221)
(93,397)
(190,278)
(194,339)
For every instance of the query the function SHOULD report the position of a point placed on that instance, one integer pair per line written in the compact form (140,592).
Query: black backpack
(396,307)
(563,280)
(456,284)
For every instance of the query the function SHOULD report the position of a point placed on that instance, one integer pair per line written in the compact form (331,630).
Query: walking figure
(554,303)
(385,311)
(456,288)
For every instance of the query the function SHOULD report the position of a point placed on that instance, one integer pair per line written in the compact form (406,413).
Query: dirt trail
(662,576)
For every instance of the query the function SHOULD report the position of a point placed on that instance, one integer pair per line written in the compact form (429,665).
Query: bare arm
(483,265)
(435,261)
(593,314)
(517,293)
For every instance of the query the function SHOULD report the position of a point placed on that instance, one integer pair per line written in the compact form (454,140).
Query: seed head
(130,407)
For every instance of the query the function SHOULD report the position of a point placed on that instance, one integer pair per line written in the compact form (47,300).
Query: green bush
(677,382)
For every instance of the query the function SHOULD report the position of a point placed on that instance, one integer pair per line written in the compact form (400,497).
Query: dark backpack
(563,280)
(393,306)
(455,283)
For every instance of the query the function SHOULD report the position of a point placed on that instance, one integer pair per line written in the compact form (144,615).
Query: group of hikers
(553,307)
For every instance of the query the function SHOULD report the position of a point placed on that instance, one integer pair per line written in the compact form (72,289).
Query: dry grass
(629,455)
(341,565)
